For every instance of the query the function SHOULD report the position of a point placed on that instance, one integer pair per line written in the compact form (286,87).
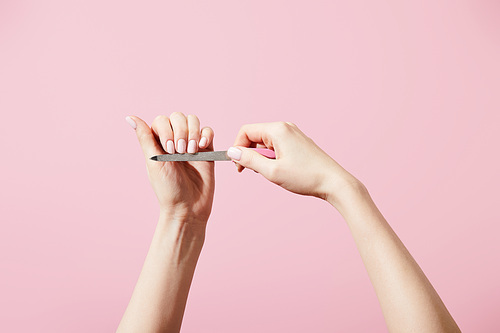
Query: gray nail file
(201,156)
(208,156)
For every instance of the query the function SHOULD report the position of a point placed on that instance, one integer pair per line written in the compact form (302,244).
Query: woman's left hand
(185,190)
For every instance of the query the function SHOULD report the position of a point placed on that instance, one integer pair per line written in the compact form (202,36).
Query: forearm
(408,300)
(160,295)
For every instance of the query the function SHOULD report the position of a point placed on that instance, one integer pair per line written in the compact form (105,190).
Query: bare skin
(185,192)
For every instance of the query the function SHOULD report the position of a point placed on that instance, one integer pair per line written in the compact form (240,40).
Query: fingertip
(138,121)
(146,138)
(203,142)
(181,146)
(133,117)
(194,133)
(170,147)
(131,122)
(192,148)
(234,153)
(207,134)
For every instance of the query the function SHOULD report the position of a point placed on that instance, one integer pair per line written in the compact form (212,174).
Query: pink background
(404,94)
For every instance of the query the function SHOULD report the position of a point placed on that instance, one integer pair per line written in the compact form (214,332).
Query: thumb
(251,159)
(147,140)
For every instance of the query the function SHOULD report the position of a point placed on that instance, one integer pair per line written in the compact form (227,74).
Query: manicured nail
(131,122)
(192,147)
(234,153)
(181,146)
(170,147)
(203,142)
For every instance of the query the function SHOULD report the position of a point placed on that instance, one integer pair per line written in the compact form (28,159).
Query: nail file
(207,156)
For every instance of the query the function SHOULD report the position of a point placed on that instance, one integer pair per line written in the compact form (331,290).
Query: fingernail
(170,147)
(203,142)
(192,147)
(181,146)
(131,122)
(234,153)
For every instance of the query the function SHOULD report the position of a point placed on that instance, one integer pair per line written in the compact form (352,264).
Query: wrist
(345,192)
(180,227)
(180,215)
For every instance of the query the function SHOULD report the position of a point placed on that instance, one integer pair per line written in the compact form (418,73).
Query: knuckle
(241,131)
(244,127)
(176,114)
(193,124)
(160,118)
(282,127)
(207,130)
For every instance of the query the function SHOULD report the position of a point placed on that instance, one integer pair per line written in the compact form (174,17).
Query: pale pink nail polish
(191,147)
(234,153)
(131,122)
(181,146)
(203,142)
(170,147)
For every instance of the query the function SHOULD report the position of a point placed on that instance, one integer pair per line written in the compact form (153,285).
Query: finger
(239,167)
(251,159)
(207,137)
(162,128)
(243,139)
(255,133)
(180,129)
(147,140)
(194,133)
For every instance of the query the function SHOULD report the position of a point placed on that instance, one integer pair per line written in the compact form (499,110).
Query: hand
(184,190)
(300,165)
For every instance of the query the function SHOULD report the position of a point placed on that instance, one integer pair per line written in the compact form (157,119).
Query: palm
(186,185)
(185,189)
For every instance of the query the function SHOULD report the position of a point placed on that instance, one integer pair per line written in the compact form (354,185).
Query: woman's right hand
(409,302)
(300,165)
